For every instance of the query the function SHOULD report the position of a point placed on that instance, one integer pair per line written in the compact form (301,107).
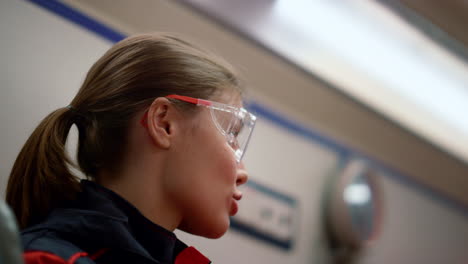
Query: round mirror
(355,206)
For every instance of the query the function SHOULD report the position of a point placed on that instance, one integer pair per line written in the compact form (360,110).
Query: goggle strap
(187,99)
(190,99)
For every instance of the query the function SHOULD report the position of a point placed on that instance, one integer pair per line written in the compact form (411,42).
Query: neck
(143,191)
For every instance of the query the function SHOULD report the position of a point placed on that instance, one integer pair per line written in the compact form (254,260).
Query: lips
(234,208)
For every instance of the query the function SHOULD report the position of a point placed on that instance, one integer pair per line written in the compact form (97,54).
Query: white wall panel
(44,60)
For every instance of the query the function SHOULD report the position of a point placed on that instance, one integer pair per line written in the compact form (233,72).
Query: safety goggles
(236,124)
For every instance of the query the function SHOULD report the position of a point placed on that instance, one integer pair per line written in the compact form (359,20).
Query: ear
(161,122)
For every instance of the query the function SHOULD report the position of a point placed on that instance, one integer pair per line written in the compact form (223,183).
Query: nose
(242,175)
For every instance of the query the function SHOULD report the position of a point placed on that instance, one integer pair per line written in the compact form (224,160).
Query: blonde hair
(123,82)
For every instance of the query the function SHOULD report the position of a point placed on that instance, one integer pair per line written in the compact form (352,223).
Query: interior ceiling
(450,16)
(446,17)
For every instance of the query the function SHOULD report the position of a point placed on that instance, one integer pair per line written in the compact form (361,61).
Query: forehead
(228,96)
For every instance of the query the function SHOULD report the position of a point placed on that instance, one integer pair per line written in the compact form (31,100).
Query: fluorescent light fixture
(369,53)
(382,61)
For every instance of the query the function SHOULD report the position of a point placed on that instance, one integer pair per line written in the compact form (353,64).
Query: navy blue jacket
(101,227)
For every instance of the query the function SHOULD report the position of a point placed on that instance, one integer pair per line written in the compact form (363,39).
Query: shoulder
(44,246)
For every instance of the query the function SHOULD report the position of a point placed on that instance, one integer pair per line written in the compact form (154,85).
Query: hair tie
(72,109)
(78,115)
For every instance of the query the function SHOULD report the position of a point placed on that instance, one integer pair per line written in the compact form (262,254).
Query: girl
(162,133)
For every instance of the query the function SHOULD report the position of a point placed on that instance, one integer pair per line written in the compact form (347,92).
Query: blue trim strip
(310,134)
(270,192)
(344,152)
(80,19)
(238,226)
(423,188)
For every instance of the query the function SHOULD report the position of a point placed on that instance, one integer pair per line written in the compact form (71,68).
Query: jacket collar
(101,218)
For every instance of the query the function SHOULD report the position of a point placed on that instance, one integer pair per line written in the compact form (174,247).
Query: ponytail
(40,179)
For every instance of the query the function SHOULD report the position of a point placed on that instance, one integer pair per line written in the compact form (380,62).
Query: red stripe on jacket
(191,256)
(43,257)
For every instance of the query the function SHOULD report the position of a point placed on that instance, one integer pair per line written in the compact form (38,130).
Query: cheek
(207,165)
(222,158)
(209,181)
(212,149)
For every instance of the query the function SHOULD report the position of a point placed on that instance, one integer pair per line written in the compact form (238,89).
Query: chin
(216,234)
(211,230)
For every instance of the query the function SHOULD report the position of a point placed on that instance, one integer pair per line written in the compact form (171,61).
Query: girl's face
(204,175)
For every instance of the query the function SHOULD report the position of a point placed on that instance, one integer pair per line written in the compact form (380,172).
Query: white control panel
(267,215)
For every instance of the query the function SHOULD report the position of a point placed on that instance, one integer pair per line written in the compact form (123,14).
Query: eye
(237,127)
(235,133)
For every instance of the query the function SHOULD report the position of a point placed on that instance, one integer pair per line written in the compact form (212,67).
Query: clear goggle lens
(236,124)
